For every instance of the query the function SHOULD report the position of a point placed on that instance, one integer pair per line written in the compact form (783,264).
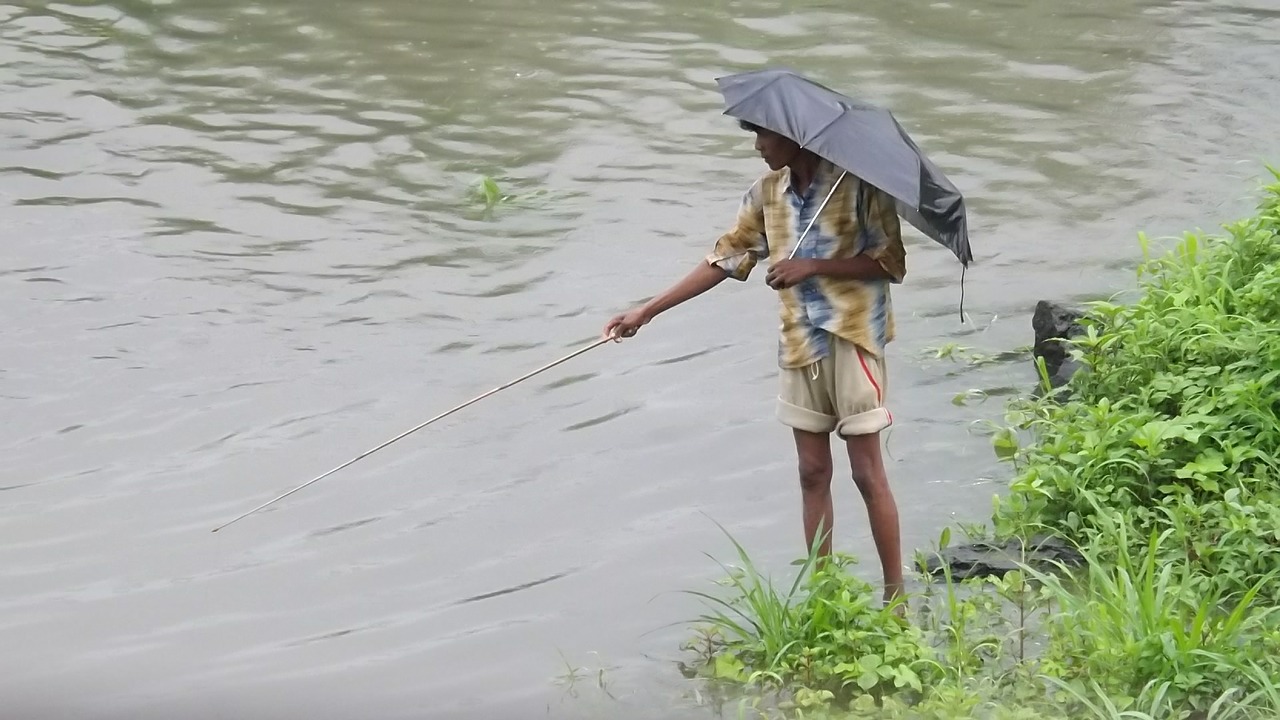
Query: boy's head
(777,150)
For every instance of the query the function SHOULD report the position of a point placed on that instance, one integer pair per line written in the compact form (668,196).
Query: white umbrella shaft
(814,219)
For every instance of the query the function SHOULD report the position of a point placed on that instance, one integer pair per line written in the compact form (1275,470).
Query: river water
(237,247)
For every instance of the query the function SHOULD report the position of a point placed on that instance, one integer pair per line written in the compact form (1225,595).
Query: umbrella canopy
(861,138)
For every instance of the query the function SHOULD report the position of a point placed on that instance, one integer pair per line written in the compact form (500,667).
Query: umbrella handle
(816,214)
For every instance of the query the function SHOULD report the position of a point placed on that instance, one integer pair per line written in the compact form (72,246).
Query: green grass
(1137,623)
(826,635)
(1134,639)
(1176,425)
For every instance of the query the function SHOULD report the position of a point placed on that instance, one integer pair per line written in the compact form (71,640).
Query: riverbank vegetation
(1160,462)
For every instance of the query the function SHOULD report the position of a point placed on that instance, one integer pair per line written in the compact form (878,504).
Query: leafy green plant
(961,629)
(1127,625)
(1176,423)
(825,638)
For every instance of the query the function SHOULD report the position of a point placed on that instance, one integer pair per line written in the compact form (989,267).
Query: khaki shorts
(843,391)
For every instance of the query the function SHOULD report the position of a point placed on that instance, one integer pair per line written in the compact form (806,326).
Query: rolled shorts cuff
(865,423)
(804,419)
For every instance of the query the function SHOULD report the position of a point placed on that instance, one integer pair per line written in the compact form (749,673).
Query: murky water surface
(237,248)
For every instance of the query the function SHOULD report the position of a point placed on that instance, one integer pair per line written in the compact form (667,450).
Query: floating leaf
(1005,443)
(729,667)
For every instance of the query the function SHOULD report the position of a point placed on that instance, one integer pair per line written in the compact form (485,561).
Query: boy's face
(778,151)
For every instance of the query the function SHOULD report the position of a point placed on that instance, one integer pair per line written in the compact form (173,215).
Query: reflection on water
(239,247)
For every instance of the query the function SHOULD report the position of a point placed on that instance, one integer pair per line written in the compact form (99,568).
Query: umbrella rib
(834,120)
(762,88)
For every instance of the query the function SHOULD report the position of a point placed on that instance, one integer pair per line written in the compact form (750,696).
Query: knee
(870,480)
(815,474)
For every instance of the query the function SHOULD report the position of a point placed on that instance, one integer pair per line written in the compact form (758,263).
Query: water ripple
(240,234)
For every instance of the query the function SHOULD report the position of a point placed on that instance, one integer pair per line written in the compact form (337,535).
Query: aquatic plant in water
(486,191)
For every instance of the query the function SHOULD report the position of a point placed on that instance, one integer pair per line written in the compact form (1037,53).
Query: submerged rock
(985,559)
(1053,322)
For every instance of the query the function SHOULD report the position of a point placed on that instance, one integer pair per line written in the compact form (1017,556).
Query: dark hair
(749,127)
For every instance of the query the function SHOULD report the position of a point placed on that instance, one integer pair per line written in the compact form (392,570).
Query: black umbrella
(858,137)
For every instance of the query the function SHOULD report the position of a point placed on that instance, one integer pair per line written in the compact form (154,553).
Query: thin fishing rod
(410,431)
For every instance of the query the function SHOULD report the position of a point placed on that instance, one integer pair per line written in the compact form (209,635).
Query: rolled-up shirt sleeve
(738,251)
(884,236)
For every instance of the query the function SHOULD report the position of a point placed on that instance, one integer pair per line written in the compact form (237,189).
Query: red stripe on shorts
(872,378)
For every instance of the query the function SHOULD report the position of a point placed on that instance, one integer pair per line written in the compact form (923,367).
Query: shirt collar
(821,177)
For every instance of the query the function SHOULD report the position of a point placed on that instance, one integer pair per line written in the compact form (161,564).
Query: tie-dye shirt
(772,216)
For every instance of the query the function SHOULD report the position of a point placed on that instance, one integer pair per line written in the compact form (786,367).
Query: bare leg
(882,510)
(814,453)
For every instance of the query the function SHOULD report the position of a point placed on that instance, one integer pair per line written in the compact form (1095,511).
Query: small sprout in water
(948,350)
(487,190)
(573,674)
(981,359)
(956,352)
(962,399)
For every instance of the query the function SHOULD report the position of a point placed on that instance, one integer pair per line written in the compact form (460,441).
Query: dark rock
(985,559)
(1053,323)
